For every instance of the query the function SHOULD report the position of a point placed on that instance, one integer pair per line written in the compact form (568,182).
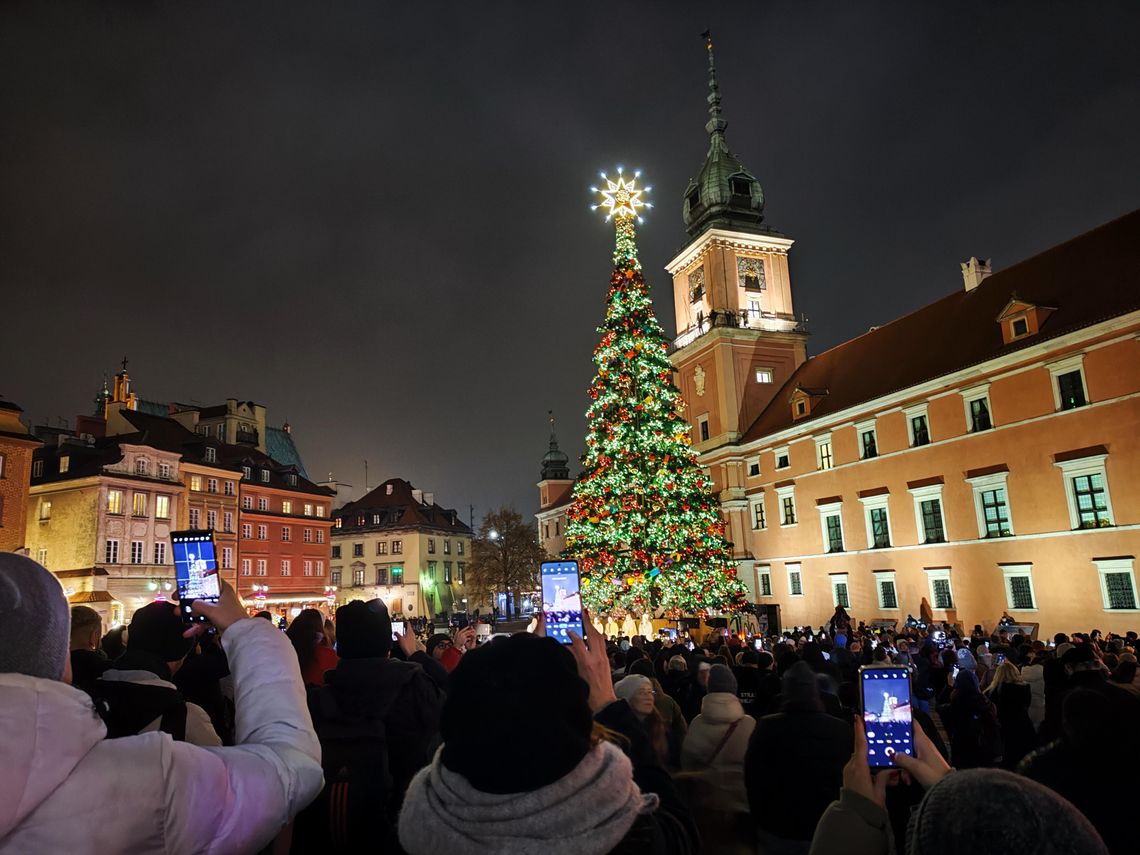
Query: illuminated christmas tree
(643,525)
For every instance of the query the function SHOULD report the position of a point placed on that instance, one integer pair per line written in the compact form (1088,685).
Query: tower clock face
(750,272)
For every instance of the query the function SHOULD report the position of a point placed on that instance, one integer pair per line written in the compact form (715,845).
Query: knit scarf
(586,811)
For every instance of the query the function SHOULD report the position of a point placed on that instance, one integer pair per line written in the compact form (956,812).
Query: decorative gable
(1021,319)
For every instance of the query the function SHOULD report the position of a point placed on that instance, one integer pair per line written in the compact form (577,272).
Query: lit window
(334,577)
(885,589)
(941,595)
(991,504)
(397,548)
(286,506)
(749,271)
(763,375)
(45,510)
(358,576)
(292,479)
(823,458)
(758,521)
(162,507)
(1117,583)
(786,500)
(246,472)
(138,505)
(447,547)
(308,509)
(1086,491)
(114,501)
(196,482)
(381,547)
(320,510)
(459,547)
(64,463)
(431,546)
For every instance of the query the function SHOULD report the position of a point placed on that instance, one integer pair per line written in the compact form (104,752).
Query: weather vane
(621,198)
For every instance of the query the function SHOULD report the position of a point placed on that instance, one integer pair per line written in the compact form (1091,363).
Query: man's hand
(926,766)
(464,639)
(593,663)
(408,642)
(857,775)
(223,614)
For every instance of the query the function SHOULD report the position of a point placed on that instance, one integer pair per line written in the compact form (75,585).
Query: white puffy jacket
(66,789)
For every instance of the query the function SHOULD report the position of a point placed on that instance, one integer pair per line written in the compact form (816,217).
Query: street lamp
(493,535)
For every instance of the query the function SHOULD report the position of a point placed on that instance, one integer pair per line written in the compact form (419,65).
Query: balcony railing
(753,319)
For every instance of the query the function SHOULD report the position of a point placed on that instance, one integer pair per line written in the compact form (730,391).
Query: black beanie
(363,630)
(522,690)
(157,629)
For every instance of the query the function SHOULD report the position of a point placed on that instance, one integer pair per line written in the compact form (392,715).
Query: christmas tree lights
(643,525)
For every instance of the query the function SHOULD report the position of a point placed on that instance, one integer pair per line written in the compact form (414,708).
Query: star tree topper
(621,197)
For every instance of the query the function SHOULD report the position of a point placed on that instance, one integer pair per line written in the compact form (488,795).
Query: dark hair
(85,619)
(112,643)
(306,632)
(1125,673)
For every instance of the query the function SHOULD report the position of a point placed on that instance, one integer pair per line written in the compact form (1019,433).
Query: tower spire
(555,464)
(716,124)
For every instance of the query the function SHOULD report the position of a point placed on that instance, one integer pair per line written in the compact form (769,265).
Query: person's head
(306,632)
(800,689)
(266,615)
(764,660)
(880,654)
(677,664)
(903,646)
(34,620)
(994,812)
(156,631)
(703,668)
(966,684)
(437,645)
(1125,671)
(521,690)
(86,628)
(363,630)
(966,661)
(1060,638)
(330,633)
(637,691)
(1006,672)
(114,642)
(721,679)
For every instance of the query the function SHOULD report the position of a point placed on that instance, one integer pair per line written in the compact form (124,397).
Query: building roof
(280,446)
(1089,279)
(279,472)
(396,502)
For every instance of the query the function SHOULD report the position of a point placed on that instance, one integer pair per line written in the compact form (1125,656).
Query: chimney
(974,271)
(388,492)
(429,498)
(418,495)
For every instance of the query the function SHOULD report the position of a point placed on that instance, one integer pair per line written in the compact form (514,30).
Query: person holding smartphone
(58,792)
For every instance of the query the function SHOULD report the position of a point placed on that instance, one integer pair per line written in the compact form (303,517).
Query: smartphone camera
(196,570)
(562,600)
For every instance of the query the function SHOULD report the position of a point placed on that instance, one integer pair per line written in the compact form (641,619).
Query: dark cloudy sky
(372,216)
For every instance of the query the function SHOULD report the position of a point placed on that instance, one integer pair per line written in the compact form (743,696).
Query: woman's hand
(593,663)
(857,775)
(926,766)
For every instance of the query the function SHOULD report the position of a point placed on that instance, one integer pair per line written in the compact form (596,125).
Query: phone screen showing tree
(195,568)
(886,714)
(562,600)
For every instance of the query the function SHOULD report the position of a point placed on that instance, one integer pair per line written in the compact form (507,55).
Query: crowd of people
(229,735)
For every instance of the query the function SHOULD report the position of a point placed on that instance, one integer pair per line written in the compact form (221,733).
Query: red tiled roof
(1090,279)
(402,509)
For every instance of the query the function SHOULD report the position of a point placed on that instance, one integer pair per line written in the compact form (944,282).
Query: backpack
(127,708)
(355,811)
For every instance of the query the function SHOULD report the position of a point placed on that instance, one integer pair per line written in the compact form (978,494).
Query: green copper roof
(280,446)
(724,194)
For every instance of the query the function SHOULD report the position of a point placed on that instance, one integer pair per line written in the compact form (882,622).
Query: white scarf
(587,811)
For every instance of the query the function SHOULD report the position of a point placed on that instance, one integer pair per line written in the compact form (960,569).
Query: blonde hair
(1006,672)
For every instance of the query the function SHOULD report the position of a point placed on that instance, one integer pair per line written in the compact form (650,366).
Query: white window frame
(925,494)
(839,579)
(764,571)
(41,556)
(263,503)
(1070,469)
(990,482)
(227,557)
(286,567)
(753,503)
(141,466)
(703,419)
(1116,565)
(1065,366)
(262,567)
(914,412)
(820,442)
(871,503)
(881,576)
(264,476)
(781,494)
(195,518)
(764,375)
(798,570)
(777,453)
(933,573)
(211,454)
(862,428)
(247,567)
(161,507)
(749,463)
(829,510)
(164,471)
(263,532)
(1018,571)
(159,552)
(976,393)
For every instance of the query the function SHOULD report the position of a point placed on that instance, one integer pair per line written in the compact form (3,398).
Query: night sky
(373,217)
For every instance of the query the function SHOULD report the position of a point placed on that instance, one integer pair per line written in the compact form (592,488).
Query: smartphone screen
(999,658)
(886,713)
(397,628)
(562,600)
(758,643)
(195,569)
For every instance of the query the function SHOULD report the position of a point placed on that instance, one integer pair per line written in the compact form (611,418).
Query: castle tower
(556,482)
(738,339)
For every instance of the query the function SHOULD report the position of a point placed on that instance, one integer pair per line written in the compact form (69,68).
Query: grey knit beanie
(35,622)
(994,812)
(721,679)
(627,687)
